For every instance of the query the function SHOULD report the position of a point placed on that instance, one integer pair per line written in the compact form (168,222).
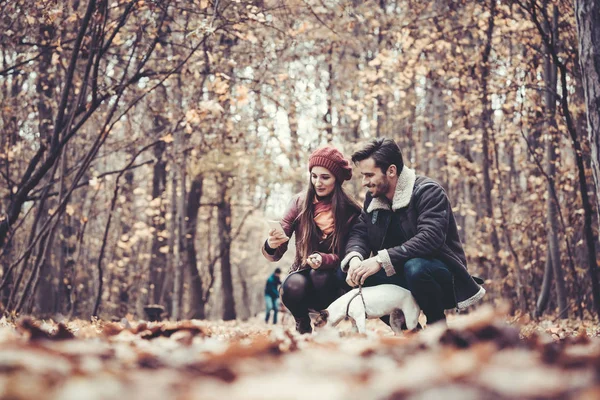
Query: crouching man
(408,227)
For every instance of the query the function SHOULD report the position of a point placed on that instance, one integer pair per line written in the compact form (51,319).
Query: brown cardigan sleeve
(288,223)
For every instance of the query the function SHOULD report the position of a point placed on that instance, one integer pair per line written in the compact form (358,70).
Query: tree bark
(295,144)
(542,301)
(486,122)
(224,221)
(196,303)
(45,87)
(550,75)
(328,117)
(174,251)
(587,13)
(158,258)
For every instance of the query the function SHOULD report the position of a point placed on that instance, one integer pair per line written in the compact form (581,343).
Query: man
(408,227)
(272,295)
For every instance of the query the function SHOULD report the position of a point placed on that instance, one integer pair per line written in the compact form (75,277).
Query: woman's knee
(322,279)
(294,286)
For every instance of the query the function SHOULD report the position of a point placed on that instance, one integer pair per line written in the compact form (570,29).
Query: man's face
(373,178)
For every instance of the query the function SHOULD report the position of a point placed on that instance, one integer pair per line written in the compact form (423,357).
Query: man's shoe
(303,325)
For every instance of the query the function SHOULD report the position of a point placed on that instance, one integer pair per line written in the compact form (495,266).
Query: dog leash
(359,293)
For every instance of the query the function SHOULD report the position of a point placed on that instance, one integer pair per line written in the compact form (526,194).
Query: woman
(320,218)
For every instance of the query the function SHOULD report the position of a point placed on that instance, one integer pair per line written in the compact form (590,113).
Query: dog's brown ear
(324,314)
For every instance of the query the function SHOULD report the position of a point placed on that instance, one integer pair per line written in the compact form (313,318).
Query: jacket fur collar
(402,194)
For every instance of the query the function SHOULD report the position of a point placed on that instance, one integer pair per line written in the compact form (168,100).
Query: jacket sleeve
(329,260)
(358,241)
(288,223)
(433,213)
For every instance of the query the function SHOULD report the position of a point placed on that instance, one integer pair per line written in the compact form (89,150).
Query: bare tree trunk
(550,75)
(224,220)
(51,283)
(158,258)
(295,147)
(46,83)
(166,295)
(196,303)
(246,310)
(542,301)
(486,121)
(181,229)
(328,117)
(45,86)
(437,137)
(65,250)
(587,13)
(176,256)
(544,296)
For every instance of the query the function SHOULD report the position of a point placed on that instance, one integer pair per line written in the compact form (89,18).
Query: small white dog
(379,300)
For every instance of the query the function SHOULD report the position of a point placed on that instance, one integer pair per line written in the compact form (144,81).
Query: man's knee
(416,269)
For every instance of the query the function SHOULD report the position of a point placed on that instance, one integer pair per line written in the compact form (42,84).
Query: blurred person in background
(272,295)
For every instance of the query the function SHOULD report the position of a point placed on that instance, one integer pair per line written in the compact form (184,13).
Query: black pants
(309,289)
(429,280)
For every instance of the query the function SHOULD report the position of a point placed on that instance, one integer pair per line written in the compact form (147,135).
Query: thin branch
(53,194)
(58,124)
(9,69)
(319,18)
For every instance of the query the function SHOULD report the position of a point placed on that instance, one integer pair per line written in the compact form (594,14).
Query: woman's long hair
(342,207)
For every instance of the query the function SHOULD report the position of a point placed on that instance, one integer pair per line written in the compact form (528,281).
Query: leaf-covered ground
(479,356)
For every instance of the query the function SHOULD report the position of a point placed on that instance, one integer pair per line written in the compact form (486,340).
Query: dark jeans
(309,289)
(429,280)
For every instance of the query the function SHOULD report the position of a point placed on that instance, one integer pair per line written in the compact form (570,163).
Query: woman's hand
(276,238)
(314,260)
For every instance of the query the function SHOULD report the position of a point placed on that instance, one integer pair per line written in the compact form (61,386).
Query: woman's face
(322,180)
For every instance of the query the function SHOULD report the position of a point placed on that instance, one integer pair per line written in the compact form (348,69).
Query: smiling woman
(320,220)
(323,181)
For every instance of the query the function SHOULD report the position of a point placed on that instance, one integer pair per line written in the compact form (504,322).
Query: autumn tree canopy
(145,142)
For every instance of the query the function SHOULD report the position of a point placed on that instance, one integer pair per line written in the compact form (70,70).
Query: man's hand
(368,267)
(353,265)
(276,238)
(314,260)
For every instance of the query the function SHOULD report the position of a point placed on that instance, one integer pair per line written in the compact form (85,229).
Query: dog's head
(319,318)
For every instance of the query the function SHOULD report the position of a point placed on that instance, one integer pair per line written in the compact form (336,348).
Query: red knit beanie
(331,158)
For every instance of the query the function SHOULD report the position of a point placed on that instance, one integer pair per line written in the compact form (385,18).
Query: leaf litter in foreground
(480,355)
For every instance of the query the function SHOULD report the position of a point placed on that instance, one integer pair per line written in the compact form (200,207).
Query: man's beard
(381,189)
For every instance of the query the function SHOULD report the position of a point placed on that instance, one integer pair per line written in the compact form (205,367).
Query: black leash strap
(359,293)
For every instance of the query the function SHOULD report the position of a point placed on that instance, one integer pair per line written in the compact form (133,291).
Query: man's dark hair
(277,271)
(384,152)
